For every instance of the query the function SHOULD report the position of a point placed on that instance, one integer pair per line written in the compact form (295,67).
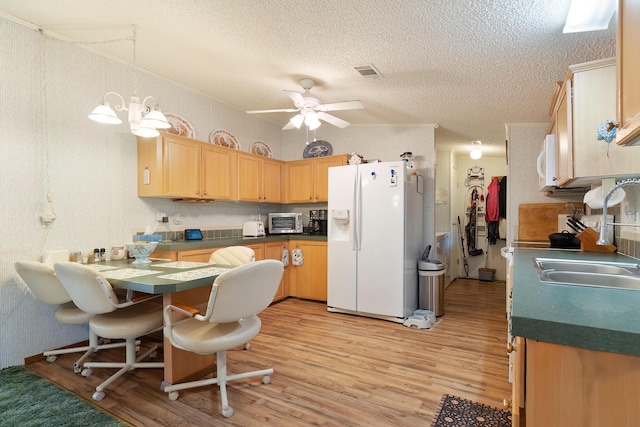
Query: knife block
(588,240)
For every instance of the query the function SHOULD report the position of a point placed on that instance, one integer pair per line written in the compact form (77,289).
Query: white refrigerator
(374,239)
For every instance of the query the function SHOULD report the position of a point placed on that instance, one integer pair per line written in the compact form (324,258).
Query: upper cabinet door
(628,64)
(219,173)
(182,167)
(322,165)
(249,177)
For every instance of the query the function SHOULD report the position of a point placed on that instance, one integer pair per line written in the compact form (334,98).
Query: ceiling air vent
(368,71)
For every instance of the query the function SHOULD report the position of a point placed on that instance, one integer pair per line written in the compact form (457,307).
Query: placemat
(195,274)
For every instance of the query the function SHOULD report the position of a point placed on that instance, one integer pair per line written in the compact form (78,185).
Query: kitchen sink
(619,275)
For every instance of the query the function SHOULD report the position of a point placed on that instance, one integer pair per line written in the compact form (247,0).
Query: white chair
(233,255)
(92,293)
(45,286)
(237,296)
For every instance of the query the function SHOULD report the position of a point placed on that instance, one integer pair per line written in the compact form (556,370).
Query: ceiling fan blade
(335,106)
(297,97)
(333,120)
(282,110)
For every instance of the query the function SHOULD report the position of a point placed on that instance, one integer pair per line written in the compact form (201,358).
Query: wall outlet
(162,217)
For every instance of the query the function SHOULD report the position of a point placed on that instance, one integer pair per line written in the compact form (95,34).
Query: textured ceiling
(468,65)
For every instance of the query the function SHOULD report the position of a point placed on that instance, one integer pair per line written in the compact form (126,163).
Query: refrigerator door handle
(358,213)
(354,217)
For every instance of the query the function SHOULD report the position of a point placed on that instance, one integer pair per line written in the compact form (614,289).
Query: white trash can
(431,286)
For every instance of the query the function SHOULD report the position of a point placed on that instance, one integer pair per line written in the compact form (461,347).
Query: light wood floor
(330,369)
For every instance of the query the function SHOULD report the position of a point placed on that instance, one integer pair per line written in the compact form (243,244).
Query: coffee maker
(318,222)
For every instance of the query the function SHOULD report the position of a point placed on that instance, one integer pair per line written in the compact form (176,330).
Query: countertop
(588,317)
(185,245)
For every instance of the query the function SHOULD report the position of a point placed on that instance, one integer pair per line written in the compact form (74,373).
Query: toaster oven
(285,223)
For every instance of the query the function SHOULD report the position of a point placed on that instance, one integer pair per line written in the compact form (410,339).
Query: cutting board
(537,220)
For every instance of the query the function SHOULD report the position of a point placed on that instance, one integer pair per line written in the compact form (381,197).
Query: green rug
(27,399)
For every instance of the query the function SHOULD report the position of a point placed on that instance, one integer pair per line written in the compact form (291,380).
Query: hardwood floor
(330,369)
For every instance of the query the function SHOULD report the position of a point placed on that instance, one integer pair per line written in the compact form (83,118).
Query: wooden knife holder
(588,240)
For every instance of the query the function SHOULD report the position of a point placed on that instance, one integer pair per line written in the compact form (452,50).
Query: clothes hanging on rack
(492,214)
(502,198)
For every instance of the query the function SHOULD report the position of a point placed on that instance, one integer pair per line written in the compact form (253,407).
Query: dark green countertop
(579,316)
(185,245)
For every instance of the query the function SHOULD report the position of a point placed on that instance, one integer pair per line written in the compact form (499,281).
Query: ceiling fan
(310,110)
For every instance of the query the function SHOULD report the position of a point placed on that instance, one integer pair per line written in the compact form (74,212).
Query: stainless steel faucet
(604,235)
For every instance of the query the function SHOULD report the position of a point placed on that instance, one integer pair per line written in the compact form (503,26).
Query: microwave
(285,223)
(546,164)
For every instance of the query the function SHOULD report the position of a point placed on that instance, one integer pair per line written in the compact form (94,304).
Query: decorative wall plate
(224,138)
(318,148)
(260,148)
(180,126)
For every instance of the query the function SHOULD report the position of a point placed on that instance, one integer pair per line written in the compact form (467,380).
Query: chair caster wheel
(247,346)
(98,396)
(227,412)
(173,395)
(52,358)
(266,379)
(77,369)
(86,372)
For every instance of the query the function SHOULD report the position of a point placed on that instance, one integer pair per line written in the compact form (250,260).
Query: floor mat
(457,412)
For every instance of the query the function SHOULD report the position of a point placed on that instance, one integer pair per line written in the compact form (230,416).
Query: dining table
(179,282)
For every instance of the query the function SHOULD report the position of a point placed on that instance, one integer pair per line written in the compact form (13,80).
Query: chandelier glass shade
(145,118)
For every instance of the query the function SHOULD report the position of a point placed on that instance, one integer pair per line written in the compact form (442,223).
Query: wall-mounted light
(144,120)
(589,15)
(476,152)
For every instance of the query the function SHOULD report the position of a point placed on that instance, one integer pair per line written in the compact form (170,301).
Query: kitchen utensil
(573,227)
(576,224)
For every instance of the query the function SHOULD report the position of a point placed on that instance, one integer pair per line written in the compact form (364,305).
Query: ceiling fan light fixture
(297,120)
(312,121)
(476,152)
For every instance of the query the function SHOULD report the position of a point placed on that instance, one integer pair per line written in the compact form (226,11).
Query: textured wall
(48,146)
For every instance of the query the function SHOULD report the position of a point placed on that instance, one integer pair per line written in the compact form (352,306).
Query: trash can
(431,286)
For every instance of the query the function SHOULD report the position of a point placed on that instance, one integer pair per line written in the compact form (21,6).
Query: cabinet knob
(510,348)
(197,192)
(506,404)
(205,193)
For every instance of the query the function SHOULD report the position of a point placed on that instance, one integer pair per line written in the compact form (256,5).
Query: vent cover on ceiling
(368,71)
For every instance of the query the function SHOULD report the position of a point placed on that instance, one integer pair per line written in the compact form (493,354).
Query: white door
(341,256)
(381,241)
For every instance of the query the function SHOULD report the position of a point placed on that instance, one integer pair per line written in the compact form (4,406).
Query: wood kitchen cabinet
(310,279)
(587,98)
(178,167)
(273,250)
(574,387)
(308,179)
(259,178)
(628,65)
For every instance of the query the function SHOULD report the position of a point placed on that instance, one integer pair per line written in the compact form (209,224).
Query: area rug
(27,399)
(457,412)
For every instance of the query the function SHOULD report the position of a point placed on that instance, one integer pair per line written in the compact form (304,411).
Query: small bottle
(103,254)
(75,257)
(96,255)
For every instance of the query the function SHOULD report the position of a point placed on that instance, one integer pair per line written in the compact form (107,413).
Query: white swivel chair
(237,296)
(92,293)
(233,255)
(45,286)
